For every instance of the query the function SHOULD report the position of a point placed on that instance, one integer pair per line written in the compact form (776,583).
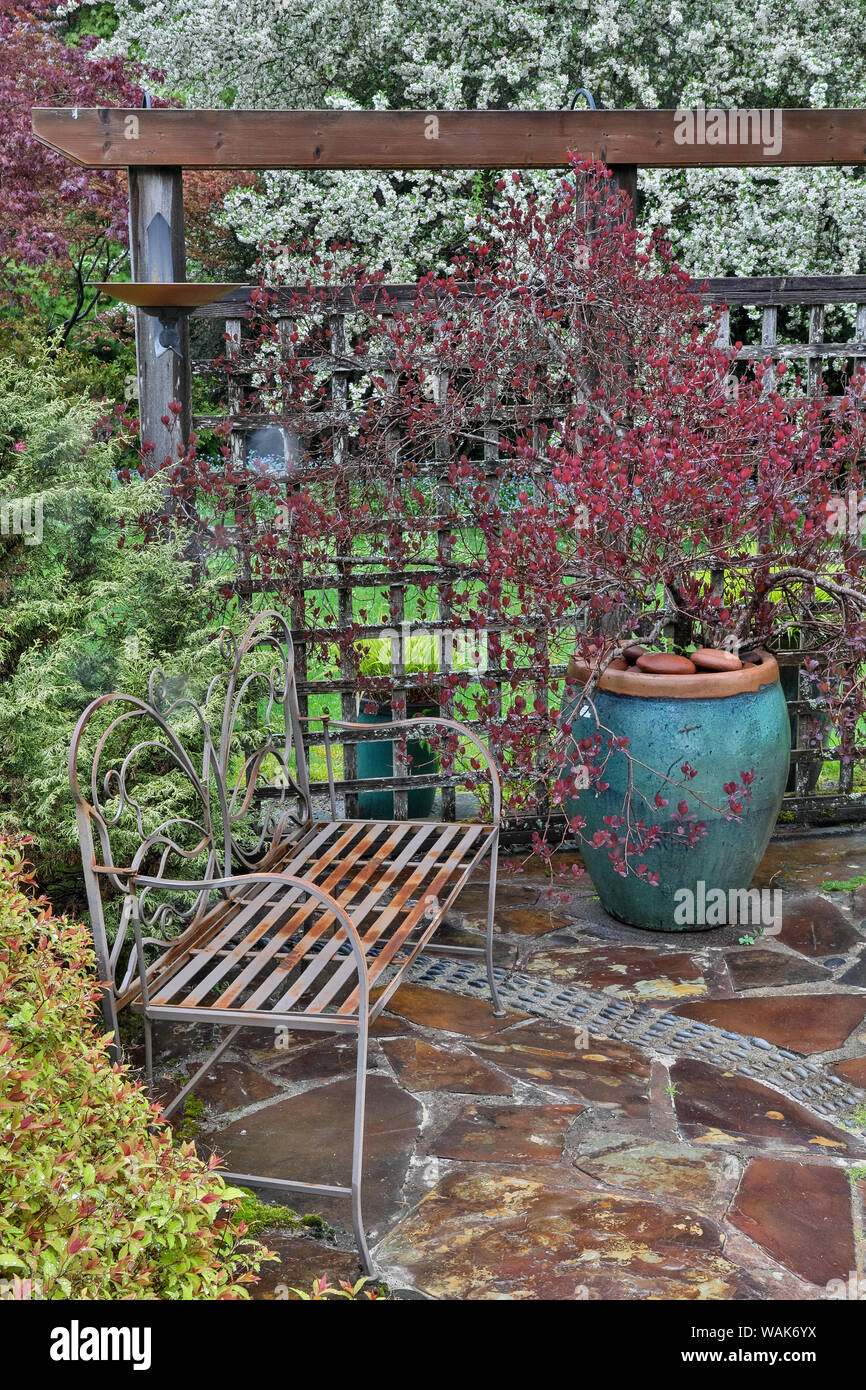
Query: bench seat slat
(357,914)
(447,874)
(427,882)
(299,987)
(312,909)
(298,865)
(382,874)
(280,900)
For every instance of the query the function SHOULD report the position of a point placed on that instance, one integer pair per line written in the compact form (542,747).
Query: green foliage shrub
(95,1202)
(97,361)
(87,607)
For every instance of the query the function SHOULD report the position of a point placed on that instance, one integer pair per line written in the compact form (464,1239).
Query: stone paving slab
(613,1075)
(308,1137)
(300,1260)
(817,927)
(801,1214)
(494,1235)
(655,1116)
(522,921)
(322,1061)
(636,972)
(754,968)
(856,975)
(721,1108)
(449,1012)
(853,1070)
(421,1068)
(805,1023)
(803,861)
(705,1180)
(231,1085)
(507,1133)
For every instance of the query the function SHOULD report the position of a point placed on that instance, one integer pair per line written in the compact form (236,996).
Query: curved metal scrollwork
(272,772)
(231,772)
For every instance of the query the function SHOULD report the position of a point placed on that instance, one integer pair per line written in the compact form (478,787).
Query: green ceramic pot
(721,725)
(377,760)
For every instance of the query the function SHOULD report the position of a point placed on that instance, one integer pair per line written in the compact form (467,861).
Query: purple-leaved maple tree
(69,223)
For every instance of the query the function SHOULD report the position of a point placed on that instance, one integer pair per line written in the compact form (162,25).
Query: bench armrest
(455,726)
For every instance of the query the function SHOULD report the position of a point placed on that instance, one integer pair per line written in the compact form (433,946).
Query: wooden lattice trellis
(361,571)
(768,299)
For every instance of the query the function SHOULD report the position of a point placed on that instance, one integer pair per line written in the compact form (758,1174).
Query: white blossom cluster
(526,54)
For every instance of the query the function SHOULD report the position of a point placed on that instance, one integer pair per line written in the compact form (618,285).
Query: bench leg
(209,1061)
(491,908)
(148,1051)
(247,1179)
(358,1144)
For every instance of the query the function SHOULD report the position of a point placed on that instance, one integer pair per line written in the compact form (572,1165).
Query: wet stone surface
(718,1107)
(321,1061)
(856,976)
(300,1260)
(853,1070)
(613,1075)
(181,1039)
(451,1013)
(524,1157)
(470,932)
(507,1133)
(499,1235)
(530,921)
(510,893)
(661,1169)
(816,927)
(422,1067)
(800,1214)
(231,1085)
(636,972)
(308,1138)
(755,968)
(802,864)
(805,1023)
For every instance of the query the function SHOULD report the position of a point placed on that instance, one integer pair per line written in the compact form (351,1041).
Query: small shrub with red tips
(97,1202)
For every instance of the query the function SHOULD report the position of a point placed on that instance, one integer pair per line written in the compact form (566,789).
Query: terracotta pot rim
(704,685)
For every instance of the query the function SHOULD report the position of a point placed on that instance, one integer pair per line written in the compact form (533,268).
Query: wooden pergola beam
(113,138)
(760,290)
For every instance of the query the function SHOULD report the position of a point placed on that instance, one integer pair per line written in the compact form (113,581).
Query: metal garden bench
(237,906)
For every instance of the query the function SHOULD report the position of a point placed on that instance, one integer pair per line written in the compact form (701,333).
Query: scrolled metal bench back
(238,783)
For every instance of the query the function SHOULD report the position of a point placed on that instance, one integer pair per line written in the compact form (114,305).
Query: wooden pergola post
(624,177)
(157,254)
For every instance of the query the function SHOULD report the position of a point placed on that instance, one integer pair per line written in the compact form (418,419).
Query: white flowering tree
(520,53)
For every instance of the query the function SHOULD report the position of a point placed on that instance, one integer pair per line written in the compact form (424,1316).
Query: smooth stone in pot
(665,664)
(714,659)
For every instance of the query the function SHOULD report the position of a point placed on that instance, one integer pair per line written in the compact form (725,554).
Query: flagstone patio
(696,1133)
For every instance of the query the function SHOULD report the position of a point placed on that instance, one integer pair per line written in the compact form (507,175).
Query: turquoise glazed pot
(722,725)
(377,760)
